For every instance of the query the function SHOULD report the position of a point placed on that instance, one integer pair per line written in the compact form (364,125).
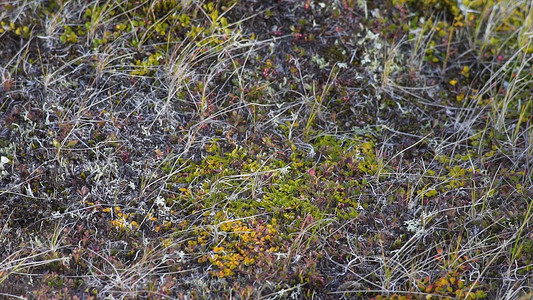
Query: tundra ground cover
(266,149)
